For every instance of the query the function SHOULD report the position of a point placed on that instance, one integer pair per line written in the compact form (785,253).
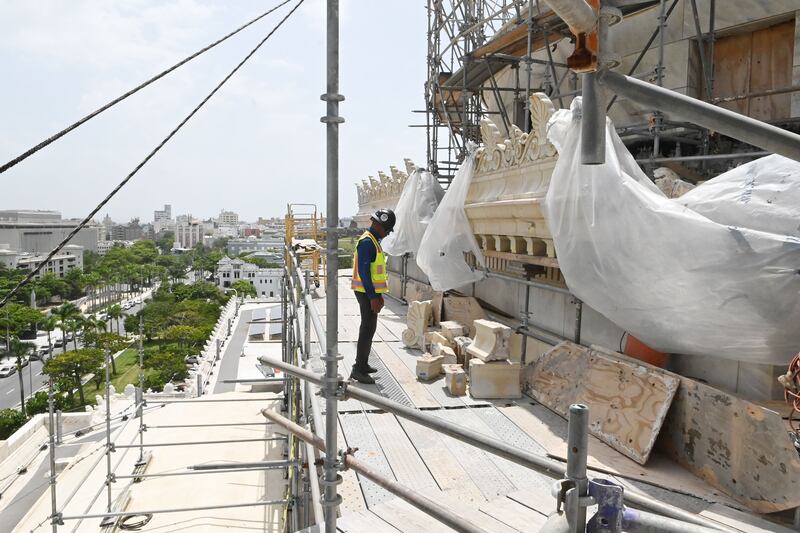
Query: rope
(138,167)
(133,91)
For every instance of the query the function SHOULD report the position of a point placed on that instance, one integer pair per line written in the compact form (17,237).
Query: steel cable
(144,161)
(133,91)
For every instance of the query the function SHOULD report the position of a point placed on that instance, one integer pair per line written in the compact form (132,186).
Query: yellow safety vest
(377,269)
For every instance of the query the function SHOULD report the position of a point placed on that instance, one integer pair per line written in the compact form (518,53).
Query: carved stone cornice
(522,148)
(386,188)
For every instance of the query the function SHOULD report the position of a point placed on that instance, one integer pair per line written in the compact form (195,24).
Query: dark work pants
(369,323)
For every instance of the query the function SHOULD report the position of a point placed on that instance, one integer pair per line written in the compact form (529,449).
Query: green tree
(165,242)
(49,324)
(38,403)
(10,421)
(18,350)
(115,313)
(72,366)
(17,318)
(65,313)
(185,336)
(163,366)
(244,288)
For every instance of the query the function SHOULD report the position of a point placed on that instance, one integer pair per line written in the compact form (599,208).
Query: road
(32,374)
(229,364)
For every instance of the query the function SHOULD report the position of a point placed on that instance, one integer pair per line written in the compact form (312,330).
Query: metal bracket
(112,448)
(342,464)
(610,511)
(58,519)
(331,97)
(331,120)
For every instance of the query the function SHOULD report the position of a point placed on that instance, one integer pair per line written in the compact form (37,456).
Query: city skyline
(259,133)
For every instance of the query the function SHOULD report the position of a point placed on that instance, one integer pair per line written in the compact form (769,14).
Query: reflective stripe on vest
(377,269)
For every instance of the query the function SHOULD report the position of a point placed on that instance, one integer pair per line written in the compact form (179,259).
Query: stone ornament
(491,341)
(417,319)
(521,148)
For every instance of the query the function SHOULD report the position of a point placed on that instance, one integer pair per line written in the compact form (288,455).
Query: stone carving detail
(386,187)
(491,341)
(521,148)
(418,316)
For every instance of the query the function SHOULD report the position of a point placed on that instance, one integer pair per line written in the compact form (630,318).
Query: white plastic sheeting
(676,279)
(763,195)
(449,235)
(415,208)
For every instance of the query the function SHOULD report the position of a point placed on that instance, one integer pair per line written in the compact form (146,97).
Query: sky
(256,146)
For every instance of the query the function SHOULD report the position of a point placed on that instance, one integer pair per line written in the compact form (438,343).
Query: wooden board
(409,519)
(514,514)
(360,521)
(451,478)
(735,445)
(550,431)
(407,465)
(627,401)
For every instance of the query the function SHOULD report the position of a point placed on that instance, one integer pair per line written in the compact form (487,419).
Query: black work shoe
(371,369)
(361,377)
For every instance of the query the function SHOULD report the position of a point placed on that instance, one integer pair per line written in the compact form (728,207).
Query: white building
(267,281)
(70,257)
(254,244)
(228,218)
(188,232)
(163,214)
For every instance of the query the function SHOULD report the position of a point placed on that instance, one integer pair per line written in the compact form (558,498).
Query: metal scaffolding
(471,44)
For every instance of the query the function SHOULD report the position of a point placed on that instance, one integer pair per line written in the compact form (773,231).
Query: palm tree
(65,312)
(75,324)
(19,349)
(115,313)
(48,324)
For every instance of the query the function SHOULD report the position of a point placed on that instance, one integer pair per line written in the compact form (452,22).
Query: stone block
(429,367)
(452,329)
(492,380)
(434,337)
(460,345)
(417,319)
(449,355)
(491,341)
(455,379)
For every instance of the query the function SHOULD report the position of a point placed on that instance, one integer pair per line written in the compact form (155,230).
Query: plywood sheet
(550,431)
(627,401)
(771,64)
(737,446)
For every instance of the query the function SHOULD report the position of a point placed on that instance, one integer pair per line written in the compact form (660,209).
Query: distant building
(104,246)
(227,218)
(131,231)
(253,244)
(38,232)
(267,281)
(163,214)
(188,232)
(71,257)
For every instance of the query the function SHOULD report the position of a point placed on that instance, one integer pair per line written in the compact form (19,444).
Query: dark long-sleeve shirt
(366,255)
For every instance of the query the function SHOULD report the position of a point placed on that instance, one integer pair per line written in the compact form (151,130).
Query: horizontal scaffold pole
(516,455)
(428,506)
(676,105)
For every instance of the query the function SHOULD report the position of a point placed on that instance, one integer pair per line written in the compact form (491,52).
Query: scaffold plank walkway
(493,492)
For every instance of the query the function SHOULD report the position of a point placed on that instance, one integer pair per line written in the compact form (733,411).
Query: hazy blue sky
(256,146)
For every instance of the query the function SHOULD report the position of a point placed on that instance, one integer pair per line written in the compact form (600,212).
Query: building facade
(253,244)
(267,281)
(70,258)
(228,218)
(188,232)
(38,232)
(163,214)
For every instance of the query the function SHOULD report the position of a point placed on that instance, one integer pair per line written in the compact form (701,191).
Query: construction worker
(370,282)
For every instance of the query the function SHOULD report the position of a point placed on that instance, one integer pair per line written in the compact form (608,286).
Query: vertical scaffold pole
(307,319)
(139,398)
(51,418)
(331,385)
(108,431)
